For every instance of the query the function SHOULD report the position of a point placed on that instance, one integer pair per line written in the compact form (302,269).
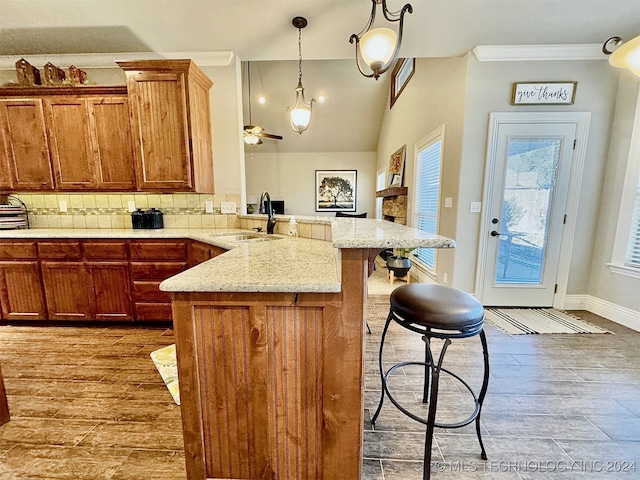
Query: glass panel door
(529,182)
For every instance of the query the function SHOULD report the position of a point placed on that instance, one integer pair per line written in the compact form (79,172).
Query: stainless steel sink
(246,237)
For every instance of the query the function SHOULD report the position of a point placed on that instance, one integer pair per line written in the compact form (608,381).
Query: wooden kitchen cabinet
(86,280)
(107,266)
(21,293)
(201,252)
(90,142)
(24,149)
(66,290)
(171,125)
(153,261)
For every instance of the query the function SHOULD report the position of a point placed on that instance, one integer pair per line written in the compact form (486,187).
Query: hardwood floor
(88,403)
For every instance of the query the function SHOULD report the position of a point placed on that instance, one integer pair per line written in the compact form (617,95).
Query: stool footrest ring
(460,424)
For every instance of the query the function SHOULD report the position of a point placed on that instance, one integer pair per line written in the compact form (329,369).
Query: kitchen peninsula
(270,340)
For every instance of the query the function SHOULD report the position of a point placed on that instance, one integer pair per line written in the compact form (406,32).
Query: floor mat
(167,365)
(525,321)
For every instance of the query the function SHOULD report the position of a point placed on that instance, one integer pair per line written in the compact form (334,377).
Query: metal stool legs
(430,394)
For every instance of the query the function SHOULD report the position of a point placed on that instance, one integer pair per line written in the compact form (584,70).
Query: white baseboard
(611,311)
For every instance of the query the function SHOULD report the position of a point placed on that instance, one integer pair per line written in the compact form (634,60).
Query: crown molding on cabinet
(108,60)
(513,53)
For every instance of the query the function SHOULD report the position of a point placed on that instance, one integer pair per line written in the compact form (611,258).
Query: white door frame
(581,120)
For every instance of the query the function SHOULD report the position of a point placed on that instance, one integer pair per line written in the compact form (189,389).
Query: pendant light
(377,46)
(624,55)
(300,111)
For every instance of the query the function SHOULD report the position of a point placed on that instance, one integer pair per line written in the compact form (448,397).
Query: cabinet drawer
(17,250)
(59,250)
(94,250)
(156,270)
(151,250)
(149,291)
(153,311)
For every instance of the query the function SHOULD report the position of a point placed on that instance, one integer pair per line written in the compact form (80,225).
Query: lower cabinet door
(21,296)
(67,287)
(111,292)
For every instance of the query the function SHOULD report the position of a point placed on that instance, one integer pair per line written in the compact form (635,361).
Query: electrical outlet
(444,277)
(448,202)
(227,207)
(208,207)
(63,205)
(475,207)
(131,205)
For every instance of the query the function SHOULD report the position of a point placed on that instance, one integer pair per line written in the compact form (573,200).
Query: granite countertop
(283,265)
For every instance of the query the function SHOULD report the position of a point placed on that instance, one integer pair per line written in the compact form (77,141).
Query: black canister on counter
(137,218)
(152,218)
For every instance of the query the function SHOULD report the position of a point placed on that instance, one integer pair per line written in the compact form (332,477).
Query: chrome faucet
(266,207)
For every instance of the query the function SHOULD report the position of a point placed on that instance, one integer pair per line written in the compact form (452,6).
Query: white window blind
(633,249)
(428,162)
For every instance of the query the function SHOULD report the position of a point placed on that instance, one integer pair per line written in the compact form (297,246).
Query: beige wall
(489,90)
(291,177)
(433,97)
(603,284)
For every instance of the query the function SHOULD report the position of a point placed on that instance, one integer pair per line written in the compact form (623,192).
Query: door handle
(494,233)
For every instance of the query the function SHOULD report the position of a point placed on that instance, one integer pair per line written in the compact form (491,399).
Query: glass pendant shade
(378,47)
(300,112)
(627,56)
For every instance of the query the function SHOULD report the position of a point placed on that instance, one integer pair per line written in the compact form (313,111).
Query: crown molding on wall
(108,60)
(526,53)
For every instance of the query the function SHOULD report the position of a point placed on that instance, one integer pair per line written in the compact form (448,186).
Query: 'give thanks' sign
(543,93)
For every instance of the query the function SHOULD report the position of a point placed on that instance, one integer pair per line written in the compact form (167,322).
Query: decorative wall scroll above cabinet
(154,134)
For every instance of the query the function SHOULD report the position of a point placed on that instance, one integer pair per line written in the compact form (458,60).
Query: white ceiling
(261,31)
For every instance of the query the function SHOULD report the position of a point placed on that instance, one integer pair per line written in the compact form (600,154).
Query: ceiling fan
(253,134)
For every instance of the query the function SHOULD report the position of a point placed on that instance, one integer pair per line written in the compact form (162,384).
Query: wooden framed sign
(543,93)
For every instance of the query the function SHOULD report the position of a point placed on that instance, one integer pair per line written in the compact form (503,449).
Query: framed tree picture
(395,171)
(336,190)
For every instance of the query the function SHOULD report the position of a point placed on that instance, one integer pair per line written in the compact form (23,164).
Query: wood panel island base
(270,347)
(271,383)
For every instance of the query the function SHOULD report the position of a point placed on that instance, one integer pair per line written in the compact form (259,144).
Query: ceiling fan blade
(253,129)
(270,135)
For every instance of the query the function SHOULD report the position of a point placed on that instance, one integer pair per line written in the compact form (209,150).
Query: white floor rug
(167,365)
(524,321)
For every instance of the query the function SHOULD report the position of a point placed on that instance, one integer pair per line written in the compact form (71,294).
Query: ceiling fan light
(251,139)
(378,47)
(627,56)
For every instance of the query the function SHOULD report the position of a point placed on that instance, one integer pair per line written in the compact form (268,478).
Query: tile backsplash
(111,210)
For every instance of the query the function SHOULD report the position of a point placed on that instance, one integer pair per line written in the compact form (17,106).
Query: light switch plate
(448,202)
(476,207)
(63,205)
(131,205)
(208,207)
(228,207)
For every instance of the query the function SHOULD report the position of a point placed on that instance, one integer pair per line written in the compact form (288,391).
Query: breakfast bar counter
(270,338)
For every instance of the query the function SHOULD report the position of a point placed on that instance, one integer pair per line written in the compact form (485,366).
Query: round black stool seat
(439,308)
(435,311)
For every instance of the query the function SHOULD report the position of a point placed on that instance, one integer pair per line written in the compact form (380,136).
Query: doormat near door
(526,321)
(167,365)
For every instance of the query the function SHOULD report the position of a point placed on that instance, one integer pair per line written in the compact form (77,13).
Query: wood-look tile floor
(88,403)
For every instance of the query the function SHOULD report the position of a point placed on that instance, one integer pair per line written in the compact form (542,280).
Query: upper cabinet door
(171,125)
(111,139)
(24,144)
(70,140)
(160,135)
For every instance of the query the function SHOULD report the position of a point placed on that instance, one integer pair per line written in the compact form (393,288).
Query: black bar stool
(436,311)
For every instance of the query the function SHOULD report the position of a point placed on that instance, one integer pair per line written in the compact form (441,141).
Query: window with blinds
(428,166)
(633,249)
